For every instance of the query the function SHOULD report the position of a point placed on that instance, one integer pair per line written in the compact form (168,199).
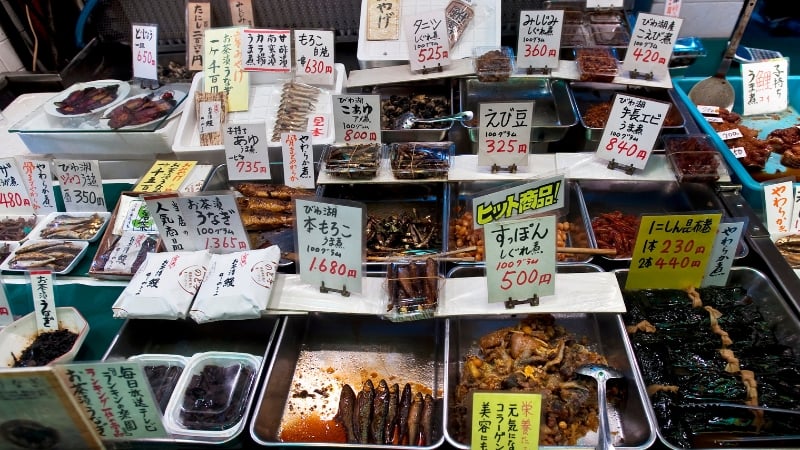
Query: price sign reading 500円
(330,243)
(505,134)
(672,251)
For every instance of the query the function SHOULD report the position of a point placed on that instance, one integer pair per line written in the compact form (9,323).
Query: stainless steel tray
(649,197)
(780,318)
(460,196)
(587,94)
(324,352)
(436,132)
(185,338)
(554,110)
(632,425)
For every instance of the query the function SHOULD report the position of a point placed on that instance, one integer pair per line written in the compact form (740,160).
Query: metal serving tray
(554,110)
(437,132)
(460,197)
(185,338)
(649,197)
(779,316)
(632,425)
(587,94)
(324,351)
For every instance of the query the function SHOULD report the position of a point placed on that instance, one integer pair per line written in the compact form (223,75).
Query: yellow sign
(504,420)
(222,66)
(165,176)
(672,251)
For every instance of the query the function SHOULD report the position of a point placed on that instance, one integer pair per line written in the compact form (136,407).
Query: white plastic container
(163,386)
(15,338)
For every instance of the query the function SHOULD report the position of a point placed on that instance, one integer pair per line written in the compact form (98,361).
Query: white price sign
(539,39)
(298,160)
(331,241)
(209,118)
(778,203)
(14,198)
(266,50)
(246,152)
(631,131)
(81,184)
(428,41)
(314,57)
(170,221)
(145,51)
(357,118)
(766,86)
(44,302)
(651,44)
(520,258)
(726,242)
(505,134)
(214,223)
(39,181)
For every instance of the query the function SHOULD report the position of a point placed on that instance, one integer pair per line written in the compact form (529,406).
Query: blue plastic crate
(752,190)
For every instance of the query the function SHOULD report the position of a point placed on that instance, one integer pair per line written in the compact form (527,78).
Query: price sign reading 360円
(631,131)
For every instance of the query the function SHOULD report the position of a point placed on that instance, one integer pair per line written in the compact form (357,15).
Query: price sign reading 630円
(672,251)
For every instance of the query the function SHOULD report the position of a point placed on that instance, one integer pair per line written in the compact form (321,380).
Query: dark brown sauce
(785,173)
(313,429)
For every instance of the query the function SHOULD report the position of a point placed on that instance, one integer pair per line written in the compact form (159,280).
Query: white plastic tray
(83,245)
(36,233)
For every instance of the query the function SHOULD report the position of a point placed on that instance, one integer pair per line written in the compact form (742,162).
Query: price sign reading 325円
(505,134)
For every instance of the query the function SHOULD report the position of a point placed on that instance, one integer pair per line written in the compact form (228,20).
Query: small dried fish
(363,411)
(390,434)
(427,420)
(402,420)
(380,406)
(415,419)
(347,403)
(789,247)
(55,256)
(65,226)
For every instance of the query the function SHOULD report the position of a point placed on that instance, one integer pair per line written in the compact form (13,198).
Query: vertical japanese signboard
(246,151)
(539,41)
(651,44)
(81,184)
(298,160)
(505,134)
(428,41)
(39,180)
(14,194)
(631,131)
(44,302)
(778,205)
(198,19)
(266,50)
(726,243)
(383,20)
(765,86)
(241,13)
(357,118)
(145,51)
(222,70)
(313,56)
(505,420)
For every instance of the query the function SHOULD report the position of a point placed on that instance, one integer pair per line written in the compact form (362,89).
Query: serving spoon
(408,119)
(601,373)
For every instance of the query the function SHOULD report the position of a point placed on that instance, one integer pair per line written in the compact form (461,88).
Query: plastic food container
(697,166)
(415,160)
(493,63)
(213,395)
(163,372)
(596,64)
(15,338)
(687,143)
(353,160)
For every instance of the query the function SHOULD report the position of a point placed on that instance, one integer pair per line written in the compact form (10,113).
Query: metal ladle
(407,120)
(601,374)
(717,90)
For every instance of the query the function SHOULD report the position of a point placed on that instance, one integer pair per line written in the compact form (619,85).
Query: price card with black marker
(298,159)
(265,50)
(14,196)
(505,134)
(214,222)
(357,118)
(246,152)
(428,41)
(631,131)
(198,19)
(539,41)
(171,222)
(330,243)
(314,57)
(505,420)
(81,184)
(651,44)
(144,45)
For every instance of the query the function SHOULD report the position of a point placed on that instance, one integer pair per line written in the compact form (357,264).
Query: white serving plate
(36,233)
(20,334)
(122,92)
(83,245)
(177,95)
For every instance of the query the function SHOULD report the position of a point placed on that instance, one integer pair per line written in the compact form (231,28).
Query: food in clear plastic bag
(413,289)
(458,15)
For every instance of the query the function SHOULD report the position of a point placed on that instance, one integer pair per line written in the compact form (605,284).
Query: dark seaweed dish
(712,363)
(45,348)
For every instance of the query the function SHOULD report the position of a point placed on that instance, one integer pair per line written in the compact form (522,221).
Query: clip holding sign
(512,168)
(539,70)
(324,289)
(511,303)
(644,75)
(426,70)
(613,165)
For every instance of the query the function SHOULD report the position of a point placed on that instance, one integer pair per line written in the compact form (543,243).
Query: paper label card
(298,160)
(778,204)
(318,125)
(383,20)
(428,41)
(171,222)
(222,71)
(632,129)
(241,13)
(796,211)
(138,218)
(6,317)
(165,176)
(651,44)
(520,258)
(314,57)
(505,134)
(198,19)
(672,8)
(44,302)
(214,223)
(144,45)
(357,118)
(535,197)
(39,180)
(729,234)
(210,120)
(539,41)
(765,86)
(330,243)
(266,50)
(81,184)
(672,251)
(505,420)
(14,194)
(246,152)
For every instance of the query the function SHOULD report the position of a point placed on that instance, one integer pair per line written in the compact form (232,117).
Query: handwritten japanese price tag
(222,67)
(604,4)
(198,19)
(117,399)
(729,233)
(505,134)
(314,57)
(14,198)
(209,118)
(357,118)
(44,302)
(266,50)
(165,176)
(246,152)
(505,420)
(672,251)
(651,44)
(330,243)
(5,309)
(428,41)
(145,51)
(39,181)
(298,160)
(214,223)
(241,12)
(672,8)
(383,20)
(765,86)
(778,203)
(81,184)
(520,258)
(171,222)
(539,40)
(631,131)
(535,197)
